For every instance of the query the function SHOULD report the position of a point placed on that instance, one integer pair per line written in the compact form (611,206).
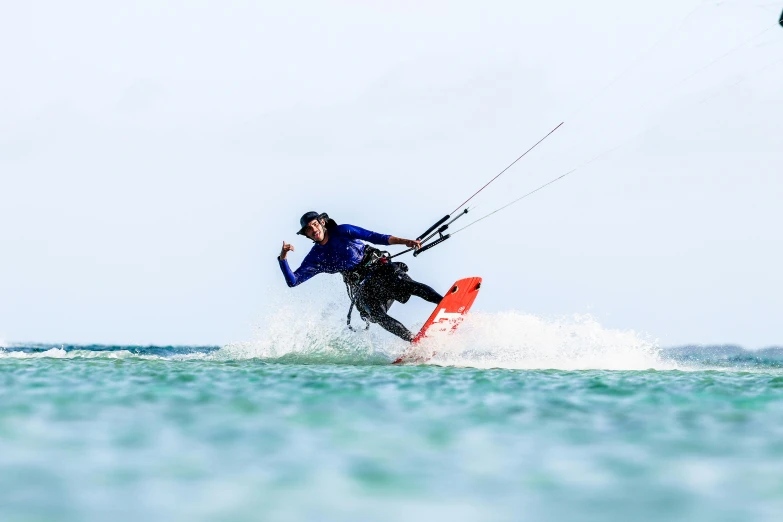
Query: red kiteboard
(447,316)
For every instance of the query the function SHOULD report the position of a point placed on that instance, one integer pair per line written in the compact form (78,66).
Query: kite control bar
(433,227)
(438,241)
(441,229)
(437,229)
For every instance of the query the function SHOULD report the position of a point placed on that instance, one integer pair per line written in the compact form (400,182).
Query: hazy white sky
(154,155)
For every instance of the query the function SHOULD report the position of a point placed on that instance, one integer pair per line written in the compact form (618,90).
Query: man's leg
(396,282)
(378,314)
(377,294)
(425,292)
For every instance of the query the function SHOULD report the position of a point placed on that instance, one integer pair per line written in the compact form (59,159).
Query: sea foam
(313,331)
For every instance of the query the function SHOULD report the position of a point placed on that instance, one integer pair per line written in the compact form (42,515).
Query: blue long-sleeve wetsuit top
(343,251)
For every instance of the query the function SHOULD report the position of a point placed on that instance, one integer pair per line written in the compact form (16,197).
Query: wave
(511,340)
(61,351)
(306,328)
(308,333)
(311,332)
(518,340)
(728,356)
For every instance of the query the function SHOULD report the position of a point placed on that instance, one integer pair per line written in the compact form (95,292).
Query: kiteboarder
(373,281)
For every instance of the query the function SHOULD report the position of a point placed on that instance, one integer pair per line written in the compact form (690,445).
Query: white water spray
(300,330)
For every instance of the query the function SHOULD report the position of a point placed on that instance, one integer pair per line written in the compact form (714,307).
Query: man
(373,282)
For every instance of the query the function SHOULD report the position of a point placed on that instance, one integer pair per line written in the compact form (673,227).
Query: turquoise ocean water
(517,418)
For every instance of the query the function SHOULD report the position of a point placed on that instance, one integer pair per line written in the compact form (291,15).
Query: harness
(353,279)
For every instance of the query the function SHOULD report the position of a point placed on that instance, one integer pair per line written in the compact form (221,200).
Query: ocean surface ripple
(517,418)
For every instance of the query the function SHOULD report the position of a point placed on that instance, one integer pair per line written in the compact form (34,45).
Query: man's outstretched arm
(302,274)
(355,232)
(410,243)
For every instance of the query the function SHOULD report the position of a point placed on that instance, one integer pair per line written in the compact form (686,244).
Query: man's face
(315,230)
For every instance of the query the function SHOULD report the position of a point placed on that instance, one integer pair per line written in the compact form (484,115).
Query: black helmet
(307,218)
